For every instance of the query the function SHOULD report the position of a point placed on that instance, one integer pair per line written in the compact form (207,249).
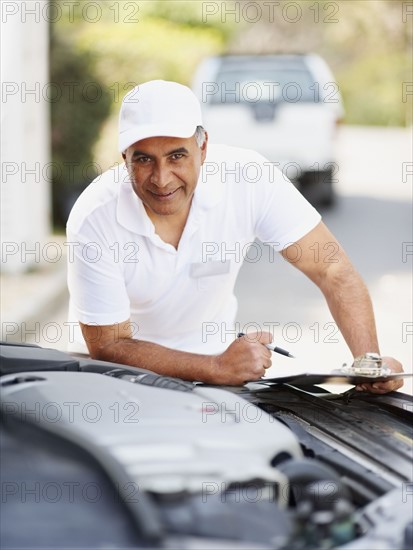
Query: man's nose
(160,176)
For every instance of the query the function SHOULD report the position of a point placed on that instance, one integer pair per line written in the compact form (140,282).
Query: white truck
(286,107)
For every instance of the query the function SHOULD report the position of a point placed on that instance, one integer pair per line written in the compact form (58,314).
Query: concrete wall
(25,135)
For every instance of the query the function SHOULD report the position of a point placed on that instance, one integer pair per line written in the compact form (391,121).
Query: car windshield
(274,82)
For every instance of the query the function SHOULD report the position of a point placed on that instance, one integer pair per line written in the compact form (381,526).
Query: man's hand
(385,387)
(244,360)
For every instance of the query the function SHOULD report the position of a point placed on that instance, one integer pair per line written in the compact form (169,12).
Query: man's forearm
(350,304)
(159,359)
(242,361)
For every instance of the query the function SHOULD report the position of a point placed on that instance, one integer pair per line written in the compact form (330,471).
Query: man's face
(164,172)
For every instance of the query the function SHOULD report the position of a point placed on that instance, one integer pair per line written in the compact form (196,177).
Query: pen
(281,351)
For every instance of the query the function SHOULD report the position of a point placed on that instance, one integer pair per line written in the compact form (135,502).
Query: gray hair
(200,135)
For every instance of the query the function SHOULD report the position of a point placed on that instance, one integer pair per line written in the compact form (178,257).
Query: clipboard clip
(369,364)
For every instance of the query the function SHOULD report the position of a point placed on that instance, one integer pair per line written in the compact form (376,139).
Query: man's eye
(177,156)
(143,160)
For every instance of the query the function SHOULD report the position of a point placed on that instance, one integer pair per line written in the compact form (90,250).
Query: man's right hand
(244,360)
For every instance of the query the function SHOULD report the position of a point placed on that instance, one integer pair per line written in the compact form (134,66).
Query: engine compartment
(185,465)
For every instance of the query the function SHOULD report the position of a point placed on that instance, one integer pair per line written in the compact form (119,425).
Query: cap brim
(133,135)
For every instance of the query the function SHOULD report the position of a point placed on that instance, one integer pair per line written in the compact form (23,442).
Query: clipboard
(335,377)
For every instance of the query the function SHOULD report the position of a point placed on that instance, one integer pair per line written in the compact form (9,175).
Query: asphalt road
(372,219)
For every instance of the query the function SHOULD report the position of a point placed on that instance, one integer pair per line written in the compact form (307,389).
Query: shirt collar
(130,212)
(210,189)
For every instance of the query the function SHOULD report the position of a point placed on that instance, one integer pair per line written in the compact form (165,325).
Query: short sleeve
(96,283)
(282,214)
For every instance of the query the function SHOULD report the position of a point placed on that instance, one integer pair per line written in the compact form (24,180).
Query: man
(142,285)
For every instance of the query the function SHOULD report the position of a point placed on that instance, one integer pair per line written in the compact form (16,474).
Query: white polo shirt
(119,268)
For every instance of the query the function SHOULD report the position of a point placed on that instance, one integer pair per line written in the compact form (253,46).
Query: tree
(78,109)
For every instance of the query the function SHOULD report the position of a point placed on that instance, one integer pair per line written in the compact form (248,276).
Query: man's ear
(123,156)
(204,147)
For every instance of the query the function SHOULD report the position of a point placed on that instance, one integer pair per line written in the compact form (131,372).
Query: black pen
(281,351)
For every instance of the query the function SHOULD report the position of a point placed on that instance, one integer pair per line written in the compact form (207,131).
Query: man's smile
(164,196)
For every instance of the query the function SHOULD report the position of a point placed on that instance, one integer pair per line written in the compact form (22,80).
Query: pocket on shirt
(211,274)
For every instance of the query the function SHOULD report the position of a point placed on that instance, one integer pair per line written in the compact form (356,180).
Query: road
(372,219)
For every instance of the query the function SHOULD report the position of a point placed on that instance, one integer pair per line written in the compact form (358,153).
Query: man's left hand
(385,387)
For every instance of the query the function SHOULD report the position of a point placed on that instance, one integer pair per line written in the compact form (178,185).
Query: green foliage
(78,110)
(370,52)
(195,14)
(137,53)
(372,89)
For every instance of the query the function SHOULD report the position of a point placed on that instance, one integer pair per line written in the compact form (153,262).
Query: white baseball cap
(158,108)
